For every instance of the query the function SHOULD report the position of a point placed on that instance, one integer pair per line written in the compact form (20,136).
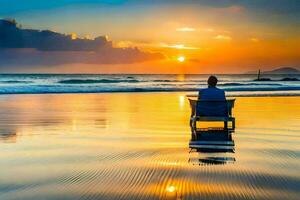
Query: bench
(198,116)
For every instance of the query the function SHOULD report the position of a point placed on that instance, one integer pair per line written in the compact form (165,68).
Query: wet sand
(136,146)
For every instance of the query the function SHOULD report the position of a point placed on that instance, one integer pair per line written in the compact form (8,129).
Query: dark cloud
(35,48)
(12,36)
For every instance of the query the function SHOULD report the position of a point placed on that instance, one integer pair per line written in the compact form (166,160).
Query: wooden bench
(225,119)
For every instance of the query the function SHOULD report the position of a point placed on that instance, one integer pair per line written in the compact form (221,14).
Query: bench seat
(213,119)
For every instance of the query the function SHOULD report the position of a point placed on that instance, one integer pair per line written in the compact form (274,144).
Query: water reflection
(171,193)
(28,115)
(212,147)
(134,146)
(8,134)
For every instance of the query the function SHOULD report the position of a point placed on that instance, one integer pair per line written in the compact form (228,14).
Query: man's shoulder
(212,89)
(204,89)
(218,89)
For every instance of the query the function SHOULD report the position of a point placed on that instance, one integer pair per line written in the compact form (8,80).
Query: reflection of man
(212,92)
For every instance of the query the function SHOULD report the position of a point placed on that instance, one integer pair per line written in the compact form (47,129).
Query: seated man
(213,100)
(212,93)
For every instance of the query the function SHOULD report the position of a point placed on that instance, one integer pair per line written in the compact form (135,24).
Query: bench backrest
(193,103)
(212,108)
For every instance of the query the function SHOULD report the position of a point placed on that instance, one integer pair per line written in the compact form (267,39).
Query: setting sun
(181,58)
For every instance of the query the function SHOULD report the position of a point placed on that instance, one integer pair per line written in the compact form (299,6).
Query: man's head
(212,81)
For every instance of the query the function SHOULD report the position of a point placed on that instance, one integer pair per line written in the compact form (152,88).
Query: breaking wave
(93,81)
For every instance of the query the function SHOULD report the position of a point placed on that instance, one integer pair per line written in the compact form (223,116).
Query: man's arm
(199,94)
(224,96)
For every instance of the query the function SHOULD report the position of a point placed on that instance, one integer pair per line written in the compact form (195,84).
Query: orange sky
(213,38)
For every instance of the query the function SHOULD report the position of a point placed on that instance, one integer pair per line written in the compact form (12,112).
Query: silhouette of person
(212,93)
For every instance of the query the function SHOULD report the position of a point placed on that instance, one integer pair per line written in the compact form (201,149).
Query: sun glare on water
(171,188)
(181,58)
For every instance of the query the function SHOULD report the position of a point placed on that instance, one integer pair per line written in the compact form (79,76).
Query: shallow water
(234,84)
(136,146)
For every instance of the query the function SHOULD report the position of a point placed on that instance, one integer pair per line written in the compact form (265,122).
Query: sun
(181,58)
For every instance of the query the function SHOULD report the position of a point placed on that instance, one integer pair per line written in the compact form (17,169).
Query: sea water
(234,84)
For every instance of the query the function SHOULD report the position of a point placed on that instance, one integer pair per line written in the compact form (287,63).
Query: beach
(136,146)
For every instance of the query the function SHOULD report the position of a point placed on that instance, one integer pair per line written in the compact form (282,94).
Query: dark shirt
(212,94)
(213,103)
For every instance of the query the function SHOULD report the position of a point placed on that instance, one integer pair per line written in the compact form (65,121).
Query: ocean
(234,84)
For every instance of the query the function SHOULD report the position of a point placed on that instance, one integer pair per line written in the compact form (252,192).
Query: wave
(94,81)
(128,80)
(269,79)
(249,84)
(12,82)
(289,79)
(223,85)
(165,80)
(40,84)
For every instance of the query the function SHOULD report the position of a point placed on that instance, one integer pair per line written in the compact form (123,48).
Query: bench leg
(233,124)
(194,136)
(226,125)
(193,124)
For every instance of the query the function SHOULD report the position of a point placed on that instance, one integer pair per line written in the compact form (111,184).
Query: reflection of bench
(211,107)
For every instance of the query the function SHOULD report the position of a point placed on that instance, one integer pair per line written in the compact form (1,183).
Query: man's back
(213,100)
(212,93)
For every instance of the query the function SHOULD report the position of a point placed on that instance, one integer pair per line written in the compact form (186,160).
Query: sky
(203,36)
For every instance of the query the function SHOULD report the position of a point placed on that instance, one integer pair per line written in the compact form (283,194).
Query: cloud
(11,36)
(223,37)
(195,60)
(254,39)
(235,9)
(185,29)
(33,57)
(208,30)
(179,46)
(34,47)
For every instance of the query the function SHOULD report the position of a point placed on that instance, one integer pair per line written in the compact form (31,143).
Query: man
(212,93)
(213,101)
